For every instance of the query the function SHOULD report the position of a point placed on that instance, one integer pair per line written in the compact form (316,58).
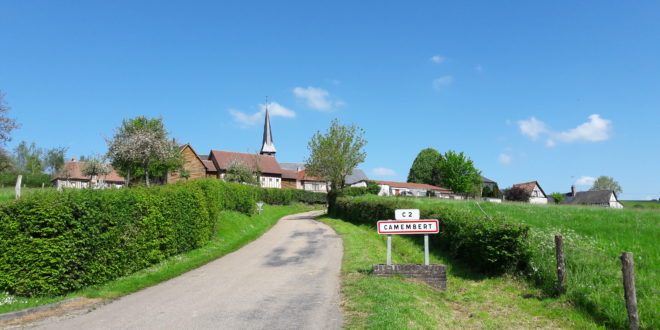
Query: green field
(594,238)
(642,204)
(471,301)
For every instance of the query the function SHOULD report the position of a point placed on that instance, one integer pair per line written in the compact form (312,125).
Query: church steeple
(267,147)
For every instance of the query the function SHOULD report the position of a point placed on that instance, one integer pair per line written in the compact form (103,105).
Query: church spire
(267,147)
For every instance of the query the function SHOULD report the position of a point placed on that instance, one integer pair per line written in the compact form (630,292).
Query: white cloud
(479,68)
(275,109)
(585,181)
(532,127)
(437,59)
(442,82)
(596,129)
(648,198)
(505,159)
(317,98)
(381,171)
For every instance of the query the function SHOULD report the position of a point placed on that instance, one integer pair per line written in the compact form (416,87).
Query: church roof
(267,146)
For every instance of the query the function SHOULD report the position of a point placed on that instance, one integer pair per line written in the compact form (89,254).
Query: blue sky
(558,92)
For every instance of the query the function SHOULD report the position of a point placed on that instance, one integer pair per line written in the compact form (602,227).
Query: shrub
(355,191)
(557,197)
(488,246)
(56,242)
(276,196)
(8,179)
(517,194)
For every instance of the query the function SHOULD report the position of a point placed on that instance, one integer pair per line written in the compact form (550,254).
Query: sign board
(406,214)
(430,226)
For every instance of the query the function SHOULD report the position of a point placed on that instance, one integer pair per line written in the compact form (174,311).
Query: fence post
(561,265)
(18,186)
(629,292)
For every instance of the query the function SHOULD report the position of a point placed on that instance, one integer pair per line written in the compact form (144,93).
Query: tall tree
(54,159)
(7,125)
(141,146)
(28,158)
(606,183)
(334,155)
(423,169)
(457,172)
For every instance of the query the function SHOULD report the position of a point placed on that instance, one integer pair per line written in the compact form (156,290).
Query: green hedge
(488,246)
(274,196)
(52,243)
(8,179)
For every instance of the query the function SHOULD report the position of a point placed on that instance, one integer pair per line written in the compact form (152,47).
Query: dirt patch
(66,310)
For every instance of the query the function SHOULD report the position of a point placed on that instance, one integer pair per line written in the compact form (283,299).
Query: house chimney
(573,190)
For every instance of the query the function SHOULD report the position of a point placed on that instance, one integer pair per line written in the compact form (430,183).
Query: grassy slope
(593,240)
(471,301)
(642,204)
(234,231)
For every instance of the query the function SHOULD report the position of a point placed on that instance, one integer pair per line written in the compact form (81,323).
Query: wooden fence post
(561,265)
(18,186)
(629,292)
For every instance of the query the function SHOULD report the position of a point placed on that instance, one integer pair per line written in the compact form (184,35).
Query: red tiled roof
(302,176)
(266,164)
(74,170)
(529,186)
(411,185)
(210,167)
(288,174)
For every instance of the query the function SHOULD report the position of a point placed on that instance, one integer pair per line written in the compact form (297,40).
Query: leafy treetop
(423,169)
(606,183)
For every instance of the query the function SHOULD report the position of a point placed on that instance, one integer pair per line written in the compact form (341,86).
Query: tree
(557,197)
(141,147)
(373,188)
(28,158)
(6,162)
(334,155)
(457,172)
(517,194)
(423,169)
(54,159)
(240,172)
(95,167)
(7,125)
(606,183)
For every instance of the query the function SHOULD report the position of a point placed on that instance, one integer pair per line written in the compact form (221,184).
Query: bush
(517,194)
(274,196)
(56,242)
(557,197)
(8,179)
(489,246)
(355,191)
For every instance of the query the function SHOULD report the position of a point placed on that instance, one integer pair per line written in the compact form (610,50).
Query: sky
(560,92)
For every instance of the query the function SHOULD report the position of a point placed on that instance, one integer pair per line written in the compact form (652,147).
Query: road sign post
(408,223)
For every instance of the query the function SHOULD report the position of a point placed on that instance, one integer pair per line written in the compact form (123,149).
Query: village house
(602,198)
(393,188)
(70,176)
(193,166)
(536,193)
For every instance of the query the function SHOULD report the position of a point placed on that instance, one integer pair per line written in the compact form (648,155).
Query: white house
(536,193)
(602,198)
(70,176)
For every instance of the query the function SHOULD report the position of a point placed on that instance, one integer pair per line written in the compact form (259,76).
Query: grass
(471,301)
(594,238)
(642,204)
(234,231)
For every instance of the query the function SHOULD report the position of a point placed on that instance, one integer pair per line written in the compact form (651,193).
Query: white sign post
(408,222)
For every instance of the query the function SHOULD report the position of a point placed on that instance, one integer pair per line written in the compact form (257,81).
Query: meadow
(594,238)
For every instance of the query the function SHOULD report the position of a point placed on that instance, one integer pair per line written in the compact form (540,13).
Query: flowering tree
(95,167)
(141,144)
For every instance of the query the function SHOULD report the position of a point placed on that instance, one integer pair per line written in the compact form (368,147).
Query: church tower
(267,147)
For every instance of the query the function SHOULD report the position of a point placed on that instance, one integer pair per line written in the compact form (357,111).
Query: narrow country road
(286,279)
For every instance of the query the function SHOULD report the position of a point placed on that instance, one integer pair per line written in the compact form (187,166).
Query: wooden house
(193,165)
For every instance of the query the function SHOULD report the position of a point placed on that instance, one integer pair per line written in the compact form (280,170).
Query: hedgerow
(56,242)
(276,196)
(486,245)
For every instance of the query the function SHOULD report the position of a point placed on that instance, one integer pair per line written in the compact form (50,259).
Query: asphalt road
(286,279)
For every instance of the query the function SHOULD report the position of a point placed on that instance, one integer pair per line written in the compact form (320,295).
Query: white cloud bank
(275,109)
(585,181)
(382,171)
(505,159)
(441,82)
(316,98)
(595,130)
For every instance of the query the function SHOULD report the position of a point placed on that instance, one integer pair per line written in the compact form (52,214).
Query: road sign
(430,226)
(406,214)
